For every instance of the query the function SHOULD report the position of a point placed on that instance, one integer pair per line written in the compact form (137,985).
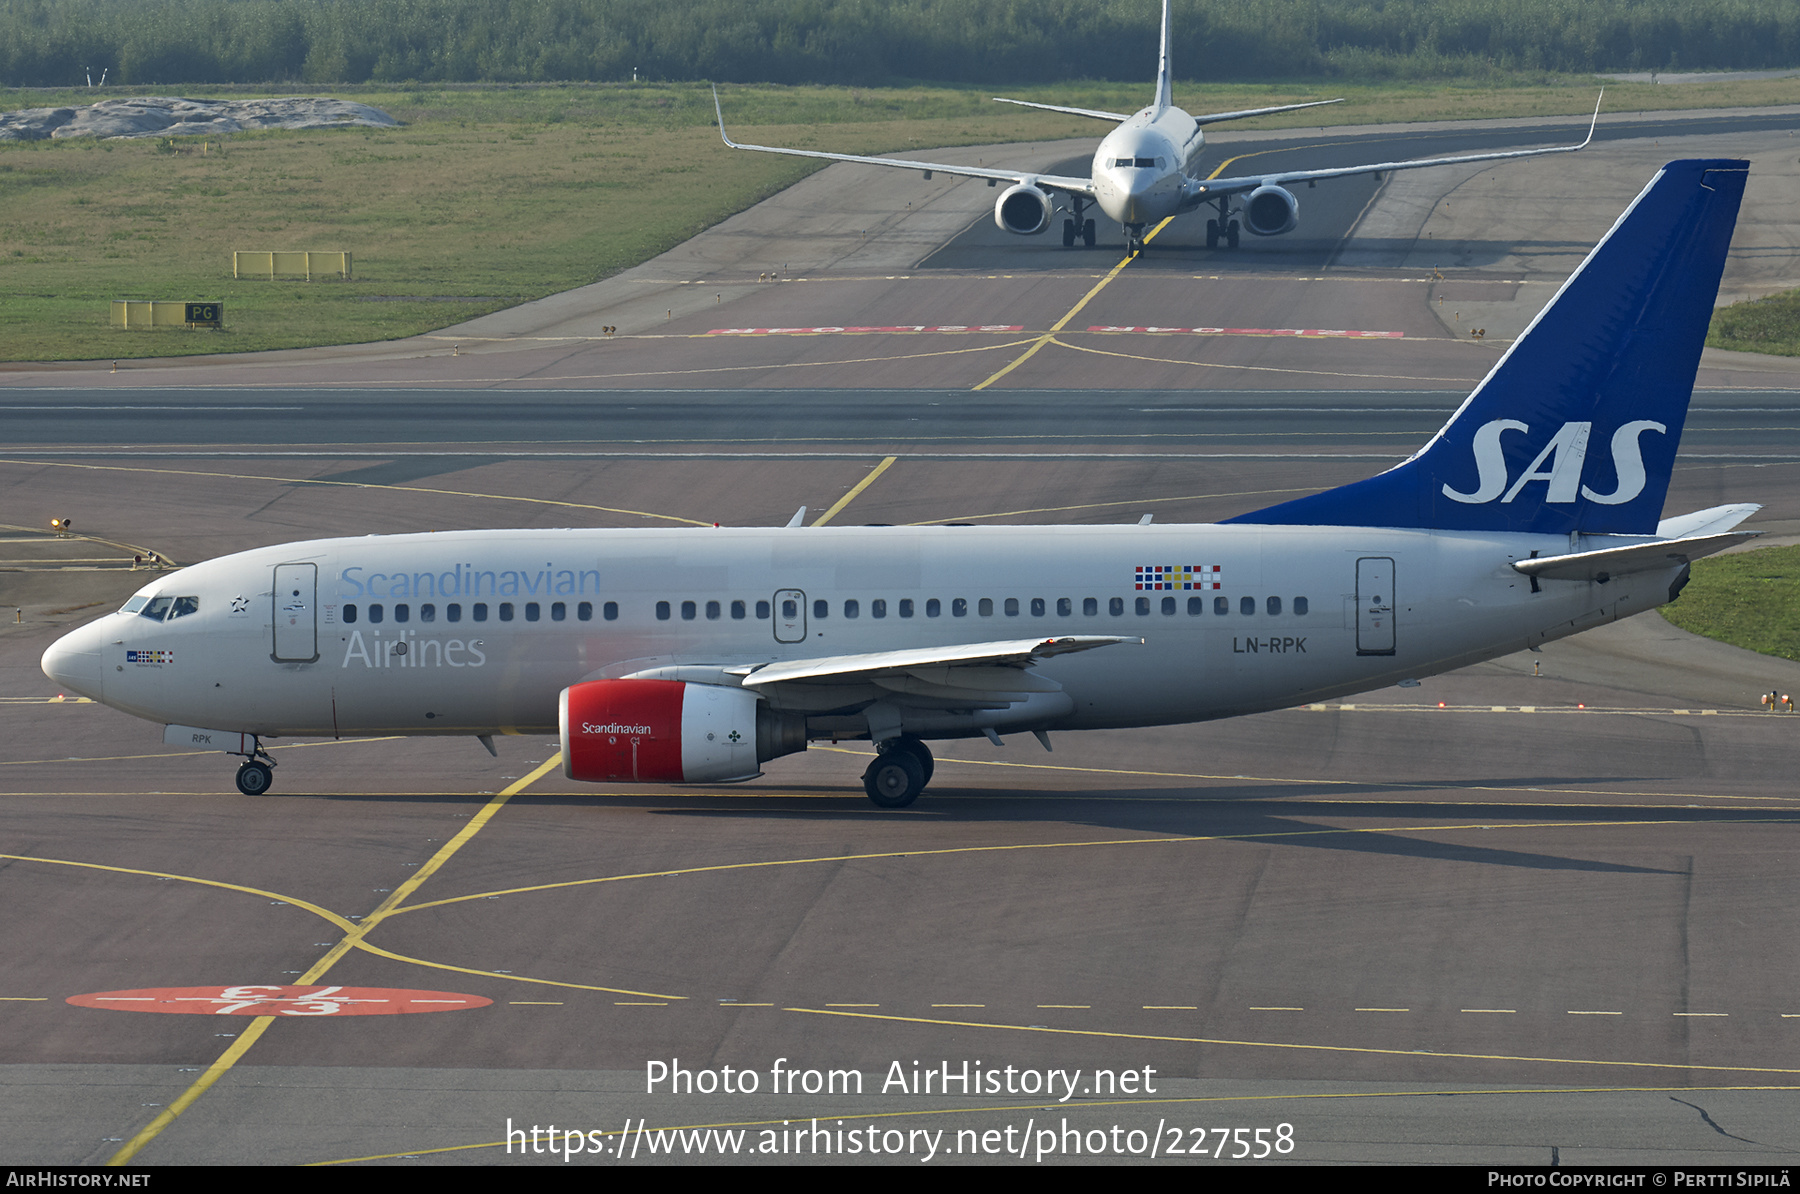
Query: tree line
(56,43)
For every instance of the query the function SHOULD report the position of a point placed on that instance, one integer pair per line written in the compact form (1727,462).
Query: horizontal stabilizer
(1622,561)
(1715,521)
(1016,653)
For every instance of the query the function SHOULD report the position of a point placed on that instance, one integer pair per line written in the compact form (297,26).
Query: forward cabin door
(1375,606)
(296,613)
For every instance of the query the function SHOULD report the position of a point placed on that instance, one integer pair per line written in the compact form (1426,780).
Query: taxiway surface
(1502,918)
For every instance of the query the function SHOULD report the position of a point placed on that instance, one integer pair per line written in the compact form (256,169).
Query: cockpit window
(184,606)
(158,607)
(135,604)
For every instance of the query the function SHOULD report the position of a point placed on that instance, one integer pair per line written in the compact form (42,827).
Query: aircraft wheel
(1087,233)
(1231,234)
(1068,234)
(894,779)
(920,752)
(254,778)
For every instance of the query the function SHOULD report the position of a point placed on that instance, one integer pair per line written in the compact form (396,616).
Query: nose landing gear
(257,772)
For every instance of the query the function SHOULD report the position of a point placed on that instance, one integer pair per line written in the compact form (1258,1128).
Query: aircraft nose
(73,661)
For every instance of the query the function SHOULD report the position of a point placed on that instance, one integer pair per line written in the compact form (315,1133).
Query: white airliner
(693,656)
(1147,170)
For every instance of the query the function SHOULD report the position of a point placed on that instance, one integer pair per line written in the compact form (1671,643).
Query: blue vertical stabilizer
(1576,427)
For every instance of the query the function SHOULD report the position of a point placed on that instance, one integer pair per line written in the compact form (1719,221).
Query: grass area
(1770,325)
(494,195)
(1749,599)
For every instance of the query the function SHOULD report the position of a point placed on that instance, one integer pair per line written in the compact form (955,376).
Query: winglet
(720,113)
(799,518)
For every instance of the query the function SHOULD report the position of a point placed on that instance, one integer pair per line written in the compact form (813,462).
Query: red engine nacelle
(670,731)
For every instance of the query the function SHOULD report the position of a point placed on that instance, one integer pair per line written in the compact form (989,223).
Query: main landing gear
(899,773)
(1078,226)
(257,772)
(1222,229)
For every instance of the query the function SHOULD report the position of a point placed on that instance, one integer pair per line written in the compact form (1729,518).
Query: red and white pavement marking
(280,1001)
(1337,333)
(910,327)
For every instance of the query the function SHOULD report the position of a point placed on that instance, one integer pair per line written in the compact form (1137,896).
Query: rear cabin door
(296,613)
(1375,606)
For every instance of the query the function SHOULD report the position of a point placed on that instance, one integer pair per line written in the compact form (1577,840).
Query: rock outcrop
(161,116)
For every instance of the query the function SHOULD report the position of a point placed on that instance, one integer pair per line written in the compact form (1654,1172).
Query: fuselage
(478,632)
(1142,168)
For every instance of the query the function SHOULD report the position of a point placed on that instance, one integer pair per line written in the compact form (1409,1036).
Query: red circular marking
(271,1000)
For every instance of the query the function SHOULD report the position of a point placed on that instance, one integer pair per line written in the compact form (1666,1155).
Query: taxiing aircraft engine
(1022,209)
(671,731)
(1271,210)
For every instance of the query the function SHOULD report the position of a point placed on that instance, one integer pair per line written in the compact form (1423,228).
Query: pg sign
(205,315)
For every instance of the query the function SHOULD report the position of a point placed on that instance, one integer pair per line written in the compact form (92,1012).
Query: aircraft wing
(1050,182)
(1622,561)
(1117,117)
(936,665)
(1245,113)
(1213,187)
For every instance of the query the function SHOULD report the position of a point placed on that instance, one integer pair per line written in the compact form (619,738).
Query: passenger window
(1300,606)
(453,612)
(906,607)
(851,608)
(1012,607)
(403,612)
(480,611)
(821,608)
(662,611)
(713,611)
(738,610)
(1274,606)
(428,613)
(1247,605)
(1168,605)
(790,609)
(1196,606)
(1090,606)
(1064,607)
(1143,606)
(932,608)
(1116,607)
(375,611)
(1221,605)
(959,607)
(585,611)
(878,608)
(506,611)
(610,611)
(689,611)
(558,611)
(349,614)
(762,611)
(985,607)
(531,611)
(1037,607)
